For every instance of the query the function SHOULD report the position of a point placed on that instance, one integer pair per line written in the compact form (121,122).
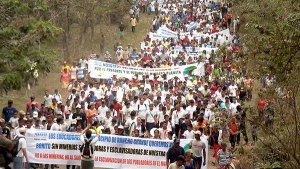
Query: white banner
(111,151)
(99,69)
(163,33)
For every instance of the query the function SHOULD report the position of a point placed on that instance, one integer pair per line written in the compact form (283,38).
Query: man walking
(121,28)
(18,160)
(133,22)
(174,151)
(88,147)
(198,147)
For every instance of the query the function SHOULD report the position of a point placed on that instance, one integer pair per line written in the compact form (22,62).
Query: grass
(51,80)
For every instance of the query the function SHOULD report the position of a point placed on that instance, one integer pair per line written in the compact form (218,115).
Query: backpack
(15,142)
(86,149)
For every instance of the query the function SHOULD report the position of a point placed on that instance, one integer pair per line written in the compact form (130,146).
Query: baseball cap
(78,106)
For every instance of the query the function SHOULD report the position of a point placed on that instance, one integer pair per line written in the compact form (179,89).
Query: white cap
(35,114)
(197,132)
(59,102)
(120,127)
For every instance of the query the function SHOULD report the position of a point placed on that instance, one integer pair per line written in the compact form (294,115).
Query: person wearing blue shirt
(93,98)
(8,111)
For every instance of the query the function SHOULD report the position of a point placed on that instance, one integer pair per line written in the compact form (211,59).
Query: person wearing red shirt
(29,103)
(214,87)
(260,106)
(233,131)
(186,40)
(117,107)
(146,58)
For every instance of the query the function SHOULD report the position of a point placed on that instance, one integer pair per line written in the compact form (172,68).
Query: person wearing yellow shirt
(65,66)
(167,18)
(97,126)
(133,22)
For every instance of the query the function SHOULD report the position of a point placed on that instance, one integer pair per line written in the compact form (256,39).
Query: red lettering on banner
(163,163)
(36,155)
(129,161)
(77,157)
(67,157)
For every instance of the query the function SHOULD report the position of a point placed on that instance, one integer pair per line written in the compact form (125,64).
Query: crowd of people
(155,106)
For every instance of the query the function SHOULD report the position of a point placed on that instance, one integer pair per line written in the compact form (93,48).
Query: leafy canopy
(23,31)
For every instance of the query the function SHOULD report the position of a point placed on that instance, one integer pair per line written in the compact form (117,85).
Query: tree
(23,31)
(271,36)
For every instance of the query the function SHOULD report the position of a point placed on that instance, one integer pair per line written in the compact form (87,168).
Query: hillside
(111,34)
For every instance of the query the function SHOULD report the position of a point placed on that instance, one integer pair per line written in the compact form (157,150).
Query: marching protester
(88,147)
(198,149)
(22,154)
(174,152)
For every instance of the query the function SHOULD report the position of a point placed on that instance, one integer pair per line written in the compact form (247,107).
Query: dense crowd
(157,107)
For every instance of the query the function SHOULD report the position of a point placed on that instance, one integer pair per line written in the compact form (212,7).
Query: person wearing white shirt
(191,108)
(57,95)
(48,99)
(14,120)
(125,87)
(58,126)
(218,93)
(126,111)
(107,119)
(18,160)
(151,117)
(164,131)
(176,115)
(178,164)
(233,105)
(161,114)
(232,89)
(102,110)
(189,133)
(134,104)
(142,109)
(98,91)
(130,122)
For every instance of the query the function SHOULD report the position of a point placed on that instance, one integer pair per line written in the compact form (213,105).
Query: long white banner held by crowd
(164,32)
(111,151)
(99,69)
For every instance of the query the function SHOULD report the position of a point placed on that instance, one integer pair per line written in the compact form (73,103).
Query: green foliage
(23,30)
(271,35)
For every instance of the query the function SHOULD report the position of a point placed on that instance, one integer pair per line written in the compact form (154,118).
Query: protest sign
(164,33)
(99,69)
(111,151)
